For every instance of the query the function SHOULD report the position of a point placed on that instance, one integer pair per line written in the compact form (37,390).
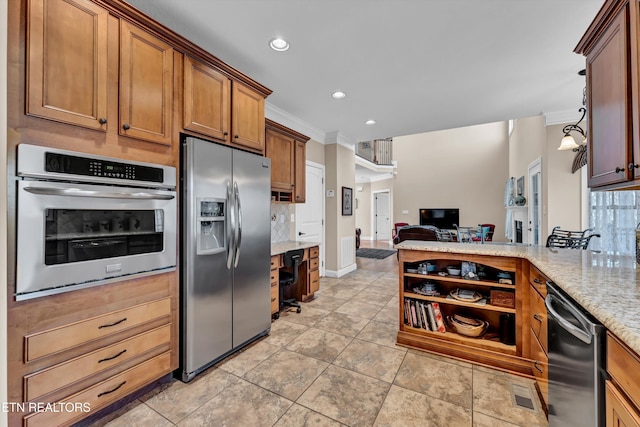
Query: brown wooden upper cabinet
(287,150)
(611,49)
(207,100)
(146,82)
(247,117)
(67,62)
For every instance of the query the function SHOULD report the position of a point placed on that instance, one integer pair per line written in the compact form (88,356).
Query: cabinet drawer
(275,301)
(104,393)
(539,366)
(314,263)
(618,411)
(274,277)
(275,262)
(61,375)
(314,252)
(314,281)
(538,319)
(624,367)
(538,280)
(65,337)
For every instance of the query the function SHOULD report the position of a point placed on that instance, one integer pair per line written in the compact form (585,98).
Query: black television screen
(441,218)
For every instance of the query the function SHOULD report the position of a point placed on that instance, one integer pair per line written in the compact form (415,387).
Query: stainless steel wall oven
(85,220)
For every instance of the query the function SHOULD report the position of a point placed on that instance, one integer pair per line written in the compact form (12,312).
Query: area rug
(374,253)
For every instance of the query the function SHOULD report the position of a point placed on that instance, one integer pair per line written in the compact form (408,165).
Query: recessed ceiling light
(279,45)
(338,94)
(370,122)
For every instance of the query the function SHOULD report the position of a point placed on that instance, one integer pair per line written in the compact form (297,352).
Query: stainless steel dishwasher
(576,363)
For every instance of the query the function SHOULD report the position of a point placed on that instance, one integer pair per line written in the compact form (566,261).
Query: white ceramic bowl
(453,271)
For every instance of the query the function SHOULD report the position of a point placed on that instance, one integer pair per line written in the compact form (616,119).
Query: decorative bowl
(454,271)
(468,327)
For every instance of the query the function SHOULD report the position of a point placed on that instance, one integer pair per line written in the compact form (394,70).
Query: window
(614,215)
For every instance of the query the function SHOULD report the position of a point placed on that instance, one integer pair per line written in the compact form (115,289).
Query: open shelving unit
(488,349)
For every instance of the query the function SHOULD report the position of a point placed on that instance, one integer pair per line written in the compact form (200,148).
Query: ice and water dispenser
(210,232)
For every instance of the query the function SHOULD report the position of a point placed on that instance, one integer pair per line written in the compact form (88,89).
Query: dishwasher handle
(584,336)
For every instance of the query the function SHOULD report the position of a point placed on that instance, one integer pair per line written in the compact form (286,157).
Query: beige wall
(315,152)
(564,189)
(463,168)
(3,211)
(340,171)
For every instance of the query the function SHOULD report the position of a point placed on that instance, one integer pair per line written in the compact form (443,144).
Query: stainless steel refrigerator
(226,250)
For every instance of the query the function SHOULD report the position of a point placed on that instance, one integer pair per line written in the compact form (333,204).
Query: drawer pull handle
(112,324)
(537,317)
(535,365)
(106,359)
(273,299)
(537,281)
(111,391)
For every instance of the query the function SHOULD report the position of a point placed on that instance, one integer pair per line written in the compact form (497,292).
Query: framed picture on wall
(520,186)
(347,201)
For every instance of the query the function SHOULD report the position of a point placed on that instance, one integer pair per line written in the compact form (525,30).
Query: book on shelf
(407,312)
(414,316)
(432,318)
(438,315)
(425,316)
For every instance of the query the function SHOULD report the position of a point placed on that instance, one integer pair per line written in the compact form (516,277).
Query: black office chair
(292,259)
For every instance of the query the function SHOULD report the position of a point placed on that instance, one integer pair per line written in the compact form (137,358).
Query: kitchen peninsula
(604,284)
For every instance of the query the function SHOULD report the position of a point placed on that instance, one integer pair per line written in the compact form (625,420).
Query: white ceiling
(412,65)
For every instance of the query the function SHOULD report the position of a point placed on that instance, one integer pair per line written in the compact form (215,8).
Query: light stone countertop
(282,247)
(606,284)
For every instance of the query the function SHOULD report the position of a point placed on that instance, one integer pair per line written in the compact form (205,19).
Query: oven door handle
(76,192)
(582,335)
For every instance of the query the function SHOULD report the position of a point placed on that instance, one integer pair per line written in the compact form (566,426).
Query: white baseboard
(341,272)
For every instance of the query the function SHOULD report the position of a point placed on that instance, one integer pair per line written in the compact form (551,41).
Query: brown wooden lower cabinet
(623,389)
(619,412)
(308,280)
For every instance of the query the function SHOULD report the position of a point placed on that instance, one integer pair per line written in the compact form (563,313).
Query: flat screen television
(441,218)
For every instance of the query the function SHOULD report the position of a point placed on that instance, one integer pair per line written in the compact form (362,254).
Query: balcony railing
(377,151)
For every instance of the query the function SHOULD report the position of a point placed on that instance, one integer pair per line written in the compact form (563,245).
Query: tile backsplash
(280,222)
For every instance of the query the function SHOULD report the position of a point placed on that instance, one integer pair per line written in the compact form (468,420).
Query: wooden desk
(308,278)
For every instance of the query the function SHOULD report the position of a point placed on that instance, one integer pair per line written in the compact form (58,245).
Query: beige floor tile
(482,420)
(492,396)
(327,282)
(326,302)
(381,333)
(386,281)
(309,316)
(351,398)
(242,404)
(394,301)
(286,373)
(388,314)
(299,416)
(340,291)
(385,289)
(247,359)
(283,332)
(438,379)
(139,415)
(406,408)
(344,324)
(319,344)
(371,359)
(442,358)
(371,298)
(358,309)
(178,399)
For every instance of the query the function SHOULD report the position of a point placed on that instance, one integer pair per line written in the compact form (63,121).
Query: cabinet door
(618,411)
(280,149)
(146,81)
(609,132)
(67,62)
(207,100)
(247,118)
(300,166)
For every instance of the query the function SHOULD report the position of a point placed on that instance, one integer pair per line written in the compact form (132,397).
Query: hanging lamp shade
(567,143)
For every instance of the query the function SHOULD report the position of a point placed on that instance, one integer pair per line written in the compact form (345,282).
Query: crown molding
(561,117)
(289,120)
(335,137)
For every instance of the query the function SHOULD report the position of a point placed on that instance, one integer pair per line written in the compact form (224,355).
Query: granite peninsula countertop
(282,247)
(606,284)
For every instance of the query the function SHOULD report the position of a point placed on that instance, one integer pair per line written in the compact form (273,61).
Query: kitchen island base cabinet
(622,397)
(415,329)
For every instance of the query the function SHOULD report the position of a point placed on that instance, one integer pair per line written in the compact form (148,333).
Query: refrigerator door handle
(230,222)
(238,223)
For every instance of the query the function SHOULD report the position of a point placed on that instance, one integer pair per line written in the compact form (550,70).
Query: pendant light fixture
(569,143)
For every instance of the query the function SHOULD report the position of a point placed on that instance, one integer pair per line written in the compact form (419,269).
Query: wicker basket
(468,327)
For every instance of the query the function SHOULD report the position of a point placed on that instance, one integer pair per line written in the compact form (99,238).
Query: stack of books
(423,314)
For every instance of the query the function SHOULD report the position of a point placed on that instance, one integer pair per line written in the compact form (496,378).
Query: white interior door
(310,215)
(535,203)
(381,216)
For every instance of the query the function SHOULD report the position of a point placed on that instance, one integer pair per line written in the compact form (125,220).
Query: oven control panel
(75,165)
